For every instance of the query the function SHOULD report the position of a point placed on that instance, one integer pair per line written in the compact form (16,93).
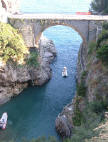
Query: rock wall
(95,76)
(14,79)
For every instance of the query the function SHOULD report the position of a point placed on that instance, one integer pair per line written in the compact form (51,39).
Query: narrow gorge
(88,108)
(73,109)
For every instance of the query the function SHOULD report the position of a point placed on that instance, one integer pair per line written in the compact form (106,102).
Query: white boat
(3,120)
(64,72)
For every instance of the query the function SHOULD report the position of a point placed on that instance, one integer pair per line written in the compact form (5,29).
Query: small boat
(64,72)
(3,121)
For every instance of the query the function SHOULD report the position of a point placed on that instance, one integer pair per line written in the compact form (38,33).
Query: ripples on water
(33,112)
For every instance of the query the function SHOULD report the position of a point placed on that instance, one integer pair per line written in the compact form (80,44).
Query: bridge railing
(58,16)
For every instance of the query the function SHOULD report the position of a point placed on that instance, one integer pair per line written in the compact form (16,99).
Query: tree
(12,46)
(99,6)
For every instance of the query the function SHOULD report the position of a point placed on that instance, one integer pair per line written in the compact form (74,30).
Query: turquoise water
(33,112)
(54,6)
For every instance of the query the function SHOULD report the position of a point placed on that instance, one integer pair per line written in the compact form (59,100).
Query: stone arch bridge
(32,25)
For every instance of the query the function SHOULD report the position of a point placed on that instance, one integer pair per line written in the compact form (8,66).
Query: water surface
(33,112)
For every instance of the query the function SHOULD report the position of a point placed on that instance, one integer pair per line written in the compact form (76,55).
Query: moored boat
(64,72)
(3,121)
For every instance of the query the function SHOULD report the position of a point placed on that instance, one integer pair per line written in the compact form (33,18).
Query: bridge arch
(37,38)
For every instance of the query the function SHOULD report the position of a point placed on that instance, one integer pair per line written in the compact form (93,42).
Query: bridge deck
(58,17)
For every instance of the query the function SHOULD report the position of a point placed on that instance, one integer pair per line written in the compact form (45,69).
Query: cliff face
(14,79)
(92,80)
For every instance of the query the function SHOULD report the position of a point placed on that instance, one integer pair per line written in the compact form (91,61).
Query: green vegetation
(83,76)
(78,117)
(98,106)
(32,60)
(102,54)
(99,6)
(102,37)
(105,25)
(90,118)
(81,88)
(12,47)
(102,44)
(91,47)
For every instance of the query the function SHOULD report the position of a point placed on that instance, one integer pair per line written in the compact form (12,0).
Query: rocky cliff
(13,79)
(92,86)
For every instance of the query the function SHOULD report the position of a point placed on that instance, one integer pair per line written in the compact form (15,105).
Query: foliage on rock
(32,60)
(99,6)
(91,47)
(12,47)
(102,37)
(102,54)
(90,118)
(81,90)
(78,117)
(102,44)
(81,87)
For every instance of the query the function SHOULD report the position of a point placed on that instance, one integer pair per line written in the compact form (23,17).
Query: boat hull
(3,121)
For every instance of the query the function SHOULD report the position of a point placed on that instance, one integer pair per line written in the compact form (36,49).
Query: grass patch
(32,60)
(91,47)
(102,54)
(81,89)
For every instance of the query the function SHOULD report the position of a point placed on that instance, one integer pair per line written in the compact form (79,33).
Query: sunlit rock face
(14,79)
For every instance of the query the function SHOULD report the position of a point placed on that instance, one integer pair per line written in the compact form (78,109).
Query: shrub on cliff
(102,44)
(102,54)
(32,60)
(12,47)
(99,6)
(81,90)
(103,37)
(91,47)
(105,25)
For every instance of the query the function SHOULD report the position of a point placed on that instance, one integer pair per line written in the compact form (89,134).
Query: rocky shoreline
(63,122)
(14,79)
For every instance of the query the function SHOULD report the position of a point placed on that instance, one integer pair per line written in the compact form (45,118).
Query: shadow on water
(33,112)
